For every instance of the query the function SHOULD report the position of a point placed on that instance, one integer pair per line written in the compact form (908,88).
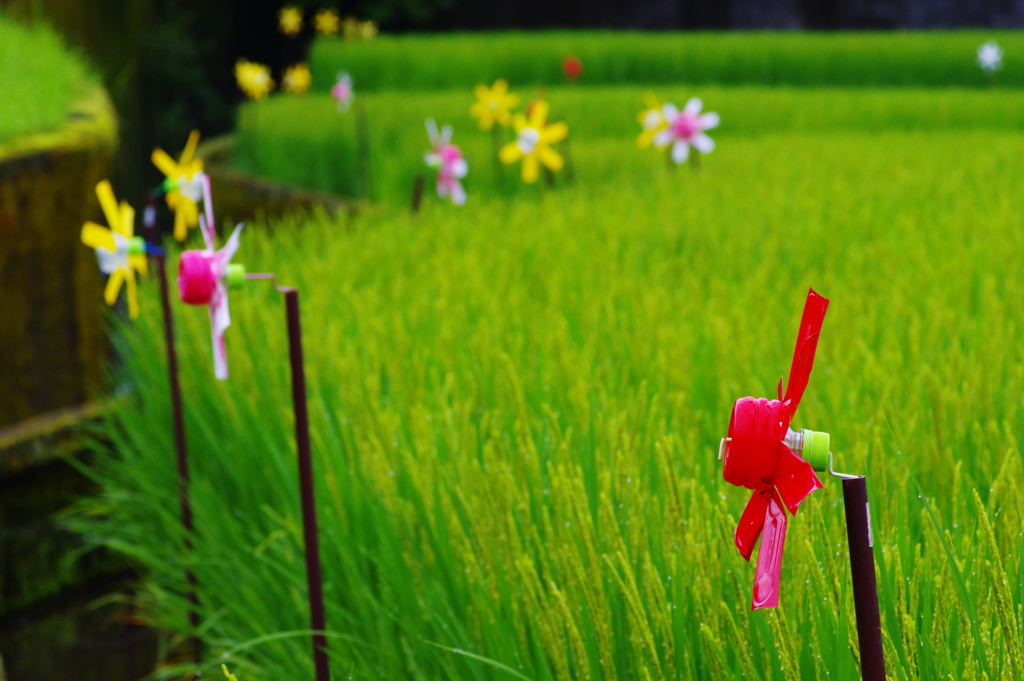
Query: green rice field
(304,140)
(516,405)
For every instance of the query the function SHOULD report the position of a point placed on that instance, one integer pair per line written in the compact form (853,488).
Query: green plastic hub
(235,275)
(816,448)
(136,246)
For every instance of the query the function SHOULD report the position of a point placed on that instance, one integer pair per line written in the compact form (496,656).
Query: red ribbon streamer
(757,458)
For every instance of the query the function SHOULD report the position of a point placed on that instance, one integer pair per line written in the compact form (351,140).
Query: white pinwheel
(342,91)
(685,129)
(990,57)
(447,159)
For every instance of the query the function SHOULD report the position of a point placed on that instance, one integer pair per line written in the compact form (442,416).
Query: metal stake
(862,571)
(314,577)
(180,445)
(417,192)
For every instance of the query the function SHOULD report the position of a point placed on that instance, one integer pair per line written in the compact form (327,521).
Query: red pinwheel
(759,455)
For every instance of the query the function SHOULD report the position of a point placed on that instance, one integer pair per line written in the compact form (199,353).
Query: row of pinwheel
(326,22)
(664,126)
(204,278)
(254,79)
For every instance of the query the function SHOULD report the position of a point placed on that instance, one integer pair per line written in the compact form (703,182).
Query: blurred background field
(304,141)
(863,59)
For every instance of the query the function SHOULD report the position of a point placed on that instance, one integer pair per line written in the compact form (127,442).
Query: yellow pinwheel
(253,79)
(296,79)
(533,142)
(289,21)
(120,253)
(652,119)
(493,104)
(187,179)
(327,22)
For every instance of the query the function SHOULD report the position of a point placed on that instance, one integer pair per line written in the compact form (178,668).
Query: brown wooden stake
(313,572)
(178,417)
(496,143)
(570,167)
(417,192)
(314,577)
(862,571)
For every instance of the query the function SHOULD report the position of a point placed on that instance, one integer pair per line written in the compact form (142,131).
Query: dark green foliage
(40,80)
(932,59)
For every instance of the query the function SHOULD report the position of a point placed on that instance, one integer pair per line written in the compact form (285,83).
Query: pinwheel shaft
(313,571)
(862,569)
(180,446)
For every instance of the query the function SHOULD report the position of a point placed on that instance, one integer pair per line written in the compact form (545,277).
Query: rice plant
(516,408)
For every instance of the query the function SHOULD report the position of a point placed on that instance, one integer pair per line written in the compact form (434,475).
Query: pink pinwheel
(686,128)
(202,279)
(342,91)
(447,159)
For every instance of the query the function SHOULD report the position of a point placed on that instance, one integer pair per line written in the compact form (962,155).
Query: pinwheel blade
(751,523)
(164,163)
(180,228)
(769,557)
(190,148)
(806,344)
(538,114)
(105,193)
(220,320)
(127,222)
(113,286)
(139,263)
(228,250)
(95,236)
(794,478)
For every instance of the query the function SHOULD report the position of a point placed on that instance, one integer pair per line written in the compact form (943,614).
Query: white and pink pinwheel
(447,159)
(342,91)
(685,129)
(203,277)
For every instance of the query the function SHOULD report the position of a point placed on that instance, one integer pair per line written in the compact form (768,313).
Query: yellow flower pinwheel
(296,79)
(353,29)
(120,253)
(368,29)
(289,20)
(327,22)
(533,142)
(187,176)
(493,104)
(652,119)
(253,79)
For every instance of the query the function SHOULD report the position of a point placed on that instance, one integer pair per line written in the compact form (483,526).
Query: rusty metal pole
(180,445)
(417,192)
(862,570)
(313,572)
